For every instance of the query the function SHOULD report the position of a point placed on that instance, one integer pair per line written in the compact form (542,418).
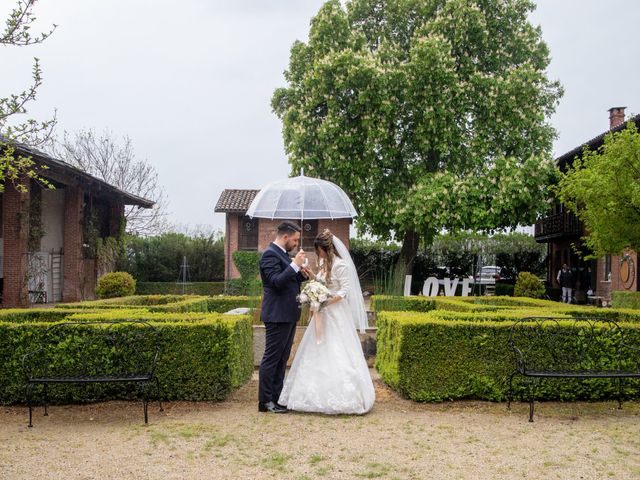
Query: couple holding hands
(328,375)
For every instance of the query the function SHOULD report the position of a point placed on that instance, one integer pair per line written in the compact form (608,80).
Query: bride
(329,373)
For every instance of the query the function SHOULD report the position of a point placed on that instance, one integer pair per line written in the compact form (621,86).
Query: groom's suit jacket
(281,286)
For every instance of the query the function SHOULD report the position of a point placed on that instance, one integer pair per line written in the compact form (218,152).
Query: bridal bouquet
(316,294)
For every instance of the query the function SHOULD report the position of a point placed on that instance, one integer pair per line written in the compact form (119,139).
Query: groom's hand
(299,258)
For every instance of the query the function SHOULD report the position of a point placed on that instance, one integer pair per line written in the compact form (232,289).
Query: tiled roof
(235,201)
(594,143)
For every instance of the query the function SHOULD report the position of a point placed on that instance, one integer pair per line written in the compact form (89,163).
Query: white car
(488,275)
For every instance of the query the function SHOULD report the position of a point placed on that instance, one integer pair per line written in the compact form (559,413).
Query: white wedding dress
(329,374)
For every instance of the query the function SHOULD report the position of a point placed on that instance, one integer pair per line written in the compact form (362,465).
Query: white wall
(52,220)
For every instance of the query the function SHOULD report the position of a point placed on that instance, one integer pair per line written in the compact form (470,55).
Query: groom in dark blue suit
(281,279)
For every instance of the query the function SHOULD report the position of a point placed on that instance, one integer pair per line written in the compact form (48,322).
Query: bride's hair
(324,242)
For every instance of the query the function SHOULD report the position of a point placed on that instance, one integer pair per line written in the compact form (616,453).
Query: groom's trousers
(278,342)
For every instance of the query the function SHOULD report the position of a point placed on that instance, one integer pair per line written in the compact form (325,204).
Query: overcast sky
(190,81)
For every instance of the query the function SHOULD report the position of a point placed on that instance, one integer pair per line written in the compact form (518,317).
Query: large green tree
(15,168)
(430,114)
(603,189)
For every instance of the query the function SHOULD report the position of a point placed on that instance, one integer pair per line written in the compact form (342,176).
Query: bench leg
(620,390)
(145,401)
(510,393)
(530,401)
(46,400)
(159,395)
(29,392)
(531,410)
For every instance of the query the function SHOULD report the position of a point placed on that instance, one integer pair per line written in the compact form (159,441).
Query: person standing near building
(565,280)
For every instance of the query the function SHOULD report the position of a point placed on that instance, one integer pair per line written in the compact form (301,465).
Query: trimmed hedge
(432,359)
(153,303)
(501,315)
(424,304)
(169,303)
(203,357)
(381,303)
(530,307)
(458,305)
(165,288)
(504,289)
(17,315)
(225,303)
(191,304)
(625,300)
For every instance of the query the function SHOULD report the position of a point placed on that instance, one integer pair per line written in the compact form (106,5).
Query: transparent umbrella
(303,198)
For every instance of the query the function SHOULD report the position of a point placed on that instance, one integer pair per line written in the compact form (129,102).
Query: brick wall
(230,246)
(628,280)
(267,233)
(15,233)
(73,269)
(340,228)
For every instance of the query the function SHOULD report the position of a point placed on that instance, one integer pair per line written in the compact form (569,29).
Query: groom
(281,279)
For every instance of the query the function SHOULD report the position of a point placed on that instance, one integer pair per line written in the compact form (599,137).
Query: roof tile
(235,201)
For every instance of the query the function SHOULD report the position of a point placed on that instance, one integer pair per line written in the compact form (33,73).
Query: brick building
(562,229)
(50,238)
(255,234)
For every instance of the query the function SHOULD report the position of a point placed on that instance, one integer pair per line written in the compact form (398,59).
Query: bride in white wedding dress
(329,373)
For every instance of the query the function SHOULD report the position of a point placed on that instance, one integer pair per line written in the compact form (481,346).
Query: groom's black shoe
(272,407)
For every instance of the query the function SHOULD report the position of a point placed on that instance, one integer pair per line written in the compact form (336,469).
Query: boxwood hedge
(193,288)
(438,356)
(204,356)
(625,299)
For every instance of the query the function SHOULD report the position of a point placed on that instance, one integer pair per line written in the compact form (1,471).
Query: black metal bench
(577,348)
(94,352)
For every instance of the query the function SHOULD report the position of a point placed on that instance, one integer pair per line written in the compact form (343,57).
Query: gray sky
(190,81)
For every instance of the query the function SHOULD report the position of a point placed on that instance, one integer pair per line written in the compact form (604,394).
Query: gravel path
(397,440)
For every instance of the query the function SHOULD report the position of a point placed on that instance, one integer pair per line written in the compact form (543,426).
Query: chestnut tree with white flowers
(430,114)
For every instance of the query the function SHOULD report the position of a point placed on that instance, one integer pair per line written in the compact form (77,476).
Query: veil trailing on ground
(354,300)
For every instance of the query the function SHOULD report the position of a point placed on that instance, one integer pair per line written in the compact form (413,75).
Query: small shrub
(528,285)
(115,284)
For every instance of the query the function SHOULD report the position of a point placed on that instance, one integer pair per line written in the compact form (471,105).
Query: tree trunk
(404,265)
